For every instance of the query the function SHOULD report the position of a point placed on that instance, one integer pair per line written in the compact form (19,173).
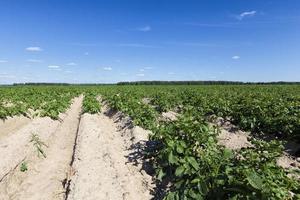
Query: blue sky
(89,41)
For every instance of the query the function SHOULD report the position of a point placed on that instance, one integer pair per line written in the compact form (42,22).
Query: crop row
(43,101)
(188,159)
(90,103)
(259,109)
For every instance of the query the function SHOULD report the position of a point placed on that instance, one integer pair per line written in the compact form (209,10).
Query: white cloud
(71,64)
(171,73)
(145,28)
(34,61)
(3,61)
(246,14)
(34,49)
(236,57)
(86,53)
(140,75)
(107,68)
(141,70)
(68,72)
(148,68)
(54,68)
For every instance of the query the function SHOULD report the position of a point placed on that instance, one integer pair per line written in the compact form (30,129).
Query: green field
(184,153)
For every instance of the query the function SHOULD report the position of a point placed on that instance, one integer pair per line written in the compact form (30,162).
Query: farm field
(150,142)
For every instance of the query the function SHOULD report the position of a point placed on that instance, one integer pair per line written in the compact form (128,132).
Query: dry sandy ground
(101,168)
(44,177)
(15,147)
(169,116)
(87,157)
(12,124)
(233,138)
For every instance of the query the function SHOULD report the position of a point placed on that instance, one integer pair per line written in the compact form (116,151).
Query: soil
(101,167)
(44,177)
(12,124)
(86,157)
(169,116)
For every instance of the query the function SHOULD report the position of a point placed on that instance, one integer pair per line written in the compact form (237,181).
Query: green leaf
(254,180)
(161,174)
(172,196)
(182,143)
(179,149)
(227,153)
(203,187)
(195,195)
(179,171)
(171,158)
(180,183)
(196,180)
(193,162)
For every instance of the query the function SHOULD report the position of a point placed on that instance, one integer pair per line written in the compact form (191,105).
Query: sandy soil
(230,135)
(12,124)
(169,116)
(287,162)
(146,101)
(86,157)
(233,139)
(101,168)
(15,147)
(44,178)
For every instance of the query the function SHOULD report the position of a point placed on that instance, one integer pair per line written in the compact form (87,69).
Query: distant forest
(169,83)
(204,83)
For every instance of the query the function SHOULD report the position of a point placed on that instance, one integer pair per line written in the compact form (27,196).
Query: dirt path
(100,165)
(44,178)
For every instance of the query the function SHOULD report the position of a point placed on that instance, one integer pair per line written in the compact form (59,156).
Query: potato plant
(186,156)
(91,104)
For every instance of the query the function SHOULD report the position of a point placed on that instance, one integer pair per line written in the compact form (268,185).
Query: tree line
(163,83)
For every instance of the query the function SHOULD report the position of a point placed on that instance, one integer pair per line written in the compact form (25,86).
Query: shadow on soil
(140,151)
(139,156)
